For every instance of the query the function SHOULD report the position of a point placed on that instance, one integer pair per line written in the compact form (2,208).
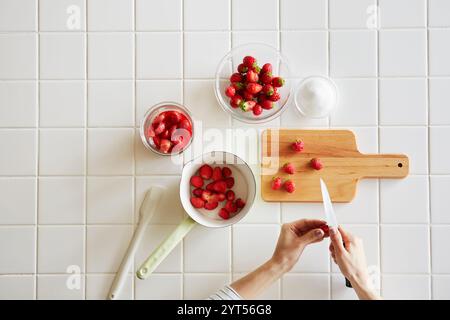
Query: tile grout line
(280,284)
(38,102)
(330,262)
(430,247)
(183,67)
(377,36)
(230,237)
(86,93)
(134,220)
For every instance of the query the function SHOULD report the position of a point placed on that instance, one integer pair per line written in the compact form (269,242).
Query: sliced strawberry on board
(196,181)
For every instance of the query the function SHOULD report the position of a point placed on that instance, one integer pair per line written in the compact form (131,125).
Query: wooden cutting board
(344,165)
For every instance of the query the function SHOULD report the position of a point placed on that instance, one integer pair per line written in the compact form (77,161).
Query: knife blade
(330,216)
(328,207)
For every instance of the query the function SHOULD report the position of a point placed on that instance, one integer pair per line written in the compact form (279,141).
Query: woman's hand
(347,252)
(293,239)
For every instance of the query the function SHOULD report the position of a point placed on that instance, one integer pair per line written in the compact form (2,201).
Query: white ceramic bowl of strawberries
(167,128)
(217,189)
(252,83)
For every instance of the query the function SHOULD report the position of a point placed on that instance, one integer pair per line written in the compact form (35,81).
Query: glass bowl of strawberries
(167,128)
(252,83)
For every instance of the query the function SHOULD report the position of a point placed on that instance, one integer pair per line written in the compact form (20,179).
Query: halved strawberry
(205,171)
(196,181)
(197,202)
(160,118)
(230,195)
(240,203)
(211,205)
(150,132)
(197,192)
(173,117)
(230,182)
(165,134)
(230,206)
(247,105)
(207,196)
(220,186)
(217,174)
(165,146)
(224,214)
(226,172)
(157,141)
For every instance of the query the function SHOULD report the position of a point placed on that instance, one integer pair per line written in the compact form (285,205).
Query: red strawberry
(198,192)
(316,163)
(325,228)
(236,77)
(209,186)
(220,186)
(289,186)
(196,181)
(247,105)
(242,68)
(276,183)
(219,197)
(238,85)
(160,128)
(277,82)
(298,145)
(211,205)
(150,133)
(165,145)
(268,90)
(172,130)
(157,141)
(236,101)
(207,196)
(185,124)
(230,206)
(275,97)
(261,97)
(251,76)
(257,110)
(197,202)
(240,203)
(160,118)
(256,68)
(226,172)
(230,182)
(289,168)
(266,78)
(230,91)
(165,134)
(230,195)
(205,171)
(217,174)
(173,117)
(253,88)
(247,96)
(266,68)
(249,61)
(266,104)
(224,214)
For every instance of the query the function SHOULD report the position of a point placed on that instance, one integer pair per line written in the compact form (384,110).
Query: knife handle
(348,284)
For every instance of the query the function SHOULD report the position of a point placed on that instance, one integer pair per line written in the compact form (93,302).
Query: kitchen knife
(330,215)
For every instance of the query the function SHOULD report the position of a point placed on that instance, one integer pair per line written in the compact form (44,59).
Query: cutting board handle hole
(400,164)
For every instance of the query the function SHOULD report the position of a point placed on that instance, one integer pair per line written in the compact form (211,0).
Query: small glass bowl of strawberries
(252,83)
(167,128)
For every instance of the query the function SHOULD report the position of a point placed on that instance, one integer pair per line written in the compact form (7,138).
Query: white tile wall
(77,76)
